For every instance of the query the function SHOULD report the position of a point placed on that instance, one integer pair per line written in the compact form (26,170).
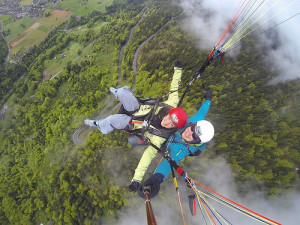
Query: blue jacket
(177,145)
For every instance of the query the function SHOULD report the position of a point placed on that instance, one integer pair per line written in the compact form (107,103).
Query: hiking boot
(114,91)
(91,123)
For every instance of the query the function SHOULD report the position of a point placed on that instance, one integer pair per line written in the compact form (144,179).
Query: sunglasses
(196,132)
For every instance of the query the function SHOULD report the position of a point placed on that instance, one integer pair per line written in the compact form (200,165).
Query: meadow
(25,33)
(82,8)
(25,2)
(15,27)
(60,61)
(36,36)
(56,18)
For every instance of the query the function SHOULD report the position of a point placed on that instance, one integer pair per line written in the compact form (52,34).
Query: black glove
(156,178)
(209,95)
(178,64)
(153,182)
(134,186)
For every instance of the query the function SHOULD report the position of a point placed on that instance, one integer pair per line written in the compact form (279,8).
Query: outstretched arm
(173,99)
(200,115)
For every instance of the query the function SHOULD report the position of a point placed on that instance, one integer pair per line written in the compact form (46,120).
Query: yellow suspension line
(201,208)
(248,18)
(230,206)
(234,38)
(207,212)
(212,208)
(245,28)
(267,20)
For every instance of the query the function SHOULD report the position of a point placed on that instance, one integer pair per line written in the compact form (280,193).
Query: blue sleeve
(200,115)
(164,168)
(202,147)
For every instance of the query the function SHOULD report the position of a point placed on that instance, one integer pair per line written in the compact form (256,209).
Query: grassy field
(16,27)
(71,52)
(100,4)
(56,18)
(84,9)
(37,33)
(70,5)
(6,19)
(81,29)
(55,65)
(34,38)
(26,2)
(18,39)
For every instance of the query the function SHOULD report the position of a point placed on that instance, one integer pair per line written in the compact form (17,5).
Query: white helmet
(205,130)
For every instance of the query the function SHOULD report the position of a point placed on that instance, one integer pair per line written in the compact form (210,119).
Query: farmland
(82,8)
(56,18)
(15,27)
(39,30)
(34,37)
(26,2)
(26,32)
(18,39)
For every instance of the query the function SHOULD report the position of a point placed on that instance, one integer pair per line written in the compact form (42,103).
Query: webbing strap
(173,164)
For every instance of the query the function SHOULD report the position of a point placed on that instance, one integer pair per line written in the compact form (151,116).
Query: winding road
(123,47)
(76,139)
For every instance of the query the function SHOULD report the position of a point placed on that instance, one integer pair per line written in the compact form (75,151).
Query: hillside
(3,50)
(66,78)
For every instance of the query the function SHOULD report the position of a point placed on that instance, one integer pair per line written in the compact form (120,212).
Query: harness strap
(141,132)
(136,122)
(173,164)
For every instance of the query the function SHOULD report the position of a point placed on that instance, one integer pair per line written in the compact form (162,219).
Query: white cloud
(207,19)
(217,175)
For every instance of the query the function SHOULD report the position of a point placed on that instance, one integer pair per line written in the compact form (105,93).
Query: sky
(207,19)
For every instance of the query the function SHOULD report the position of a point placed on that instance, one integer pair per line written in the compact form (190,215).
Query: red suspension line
(232,21)
(208,213)
(234,202)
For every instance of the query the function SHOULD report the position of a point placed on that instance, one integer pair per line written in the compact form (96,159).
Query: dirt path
(76,139)
(18,39)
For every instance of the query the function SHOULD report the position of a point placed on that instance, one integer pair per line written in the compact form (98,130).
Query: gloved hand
(209,95)
(178,64)
(134,186)
(153,182)
(156,178)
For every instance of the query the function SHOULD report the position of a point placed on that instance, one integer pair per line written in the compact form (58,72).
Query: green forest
(44,176)
(3,50)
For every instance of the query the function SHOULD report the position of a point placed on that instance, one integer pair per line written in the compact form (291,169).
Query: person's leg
(117,121)
(129,103)
(136,141)
(128,100)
